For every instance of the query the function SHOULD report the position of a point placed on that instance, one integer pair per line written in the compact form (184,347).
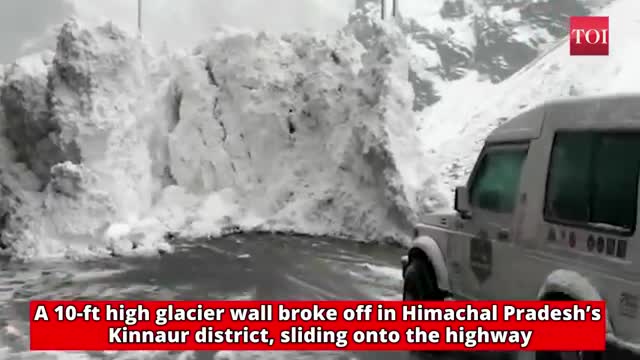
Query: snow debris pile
(554,75)
(106,146)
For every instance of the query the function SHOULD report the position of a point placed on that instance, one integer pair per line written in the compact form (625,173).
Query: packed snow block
(297,133)
(16,199)
(67,179)
(29,124)
(95,80)
(362,4)
(422,69)
(364,24)
(75,118)
(306,129)
(73,206)
(9,203)
(393,147)
(100,84)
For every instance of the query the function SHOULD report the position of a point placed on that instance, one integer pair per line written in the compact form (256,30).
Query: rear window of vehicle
(593,180)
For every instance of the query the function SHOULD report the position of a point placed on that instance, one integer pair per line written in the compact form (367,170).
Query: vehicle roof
(528,124)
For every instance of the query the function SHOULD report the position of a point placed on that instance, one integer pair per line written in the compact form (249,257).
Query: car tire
(585,355)
(420,283)
(582,355)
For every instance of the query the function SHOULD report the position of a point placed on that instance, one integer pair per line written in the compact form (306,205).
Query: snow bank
(454,131)
(107,145)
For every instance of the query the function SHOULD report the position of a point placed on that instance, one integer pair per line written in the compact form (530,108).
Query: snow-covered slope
(453,39)
(454,129)
(107,146)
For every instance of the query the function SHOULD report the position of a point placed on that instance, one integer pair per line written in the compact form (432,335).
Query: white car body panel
(521,255)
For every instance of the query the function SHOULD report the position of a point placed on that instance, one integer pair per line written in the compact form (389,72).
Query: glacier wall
(107,144)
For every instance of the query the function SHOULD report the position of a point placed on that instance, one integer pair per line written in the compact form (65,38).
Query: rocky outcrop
(455,9)
(511,35)
(500,49)
(494,37)
(552,15)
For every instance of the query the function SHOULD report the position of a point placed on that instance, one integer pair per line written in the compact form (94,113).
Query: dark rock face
(504,44)
(494,37)
(553,15)
(499,52)
(454,9)
(504,47)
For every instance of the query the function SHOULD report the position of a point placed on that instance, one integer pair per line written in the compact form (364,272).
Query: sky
(21,20)
(28,25)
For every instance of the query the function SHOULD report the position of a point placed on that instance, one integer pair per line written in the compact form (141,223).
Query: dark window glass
(593,179)
(496,183)
(568,182)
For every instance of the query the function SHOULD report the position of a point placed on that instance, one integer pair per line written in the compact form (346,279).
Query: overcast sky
(181,23)
(21,20)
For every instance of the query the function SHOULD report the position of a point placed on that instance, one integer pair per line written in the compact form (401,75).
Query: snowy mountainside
(107,146)
(453,39)
(455,146)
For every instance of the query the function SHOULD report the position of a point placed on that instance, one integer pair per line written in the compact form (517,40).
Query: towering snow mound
(107,146)
(455,130)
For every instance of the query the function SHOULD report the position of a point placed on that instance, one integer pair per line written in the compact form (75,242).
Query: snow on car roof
(528,124)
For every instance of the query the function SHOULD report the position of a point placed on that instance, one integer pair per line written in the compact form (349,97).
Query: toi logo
(589,35)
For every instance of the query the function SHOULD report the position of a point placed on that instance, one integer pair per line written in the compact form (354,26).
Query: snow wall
(108,145)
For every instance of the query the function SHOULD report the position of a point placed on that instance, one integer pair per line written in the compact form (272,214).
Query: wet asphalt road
(261,267)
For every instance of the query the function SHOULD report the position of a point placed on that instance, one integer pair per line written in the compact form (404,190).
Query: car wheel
(572,355)
(420,282)
(569,355)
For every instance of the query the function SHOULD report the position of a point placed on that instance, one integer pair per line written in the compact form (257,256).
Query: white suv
(550,211)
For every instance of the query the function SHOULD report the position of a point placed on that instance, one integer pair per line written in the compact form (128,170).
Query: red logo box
(589,35)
